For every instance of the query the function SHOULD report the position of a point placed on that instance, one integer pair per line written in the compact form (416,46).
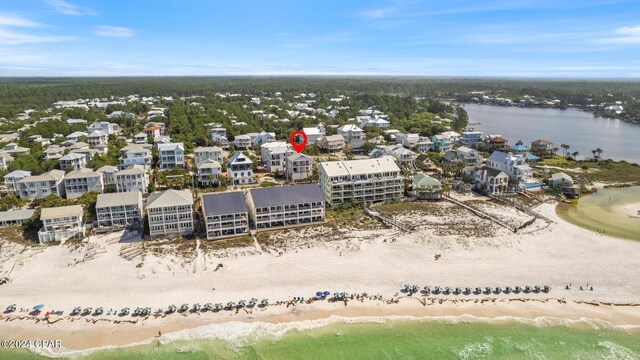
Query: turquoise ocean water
(382,339)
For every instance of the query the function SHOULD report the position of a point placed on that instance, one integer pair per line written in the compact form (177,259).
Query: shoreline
(277,320)
(554,254)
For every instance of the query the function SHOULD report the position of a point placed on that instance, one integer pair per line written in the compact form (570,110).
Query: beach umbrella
(38,307)
(265,302)
(242,303)
(517,289)
(319,294)
(546,288)
(99,310)
(207,306)
(172,308)
(326,293)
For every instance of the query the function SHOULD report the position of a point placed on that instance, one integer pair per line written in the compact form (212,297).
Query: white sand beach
(298,263)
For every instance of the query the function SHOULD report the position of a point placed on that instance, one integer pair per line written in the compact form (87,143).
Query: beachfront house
(171,155)
(487,179)
(225,214)
(170,212)
(61,223)
(273,156)
(119,210)
(15,217)
(73,161)
(134,178)
(239,169)
(361,181)
(39,186)
(12,178)
(564,183)
(515,166)
(280,206)
(78,182)
(202,153)
(424,187)
(209,172)
(299,166)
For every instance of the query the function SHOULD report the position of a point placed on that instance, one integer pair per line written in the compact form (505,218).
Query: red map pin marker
(298,140)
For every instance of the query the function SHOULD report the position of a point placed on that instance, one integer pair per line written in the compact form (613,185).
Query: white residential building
(73,160)
(209,172)
(470,137)
(515,166)
(12,178)
(119,210)
(14,149)
(314,133)
(488,179)
(78,182)
(135,154)
(108,173)
(225,214)
(353,135)
(39,186)
(15,217)
(134,178)
(54,152)
(242,142)
(140,138)
(239,169)
(274,155)
(263,138)
(331,143)
(408,140)
(361,181)
(170,212)
(171,155)
(97,138)
(61,223)
(280,206)
(104,126)
(5,159)
(207,153)
(299,166)
(401,154)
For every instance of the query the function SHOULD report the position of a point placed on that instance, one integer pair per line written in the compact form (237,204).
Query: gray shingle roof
(16,214)
(118,199)
(169,198)
(284,195)
(223,203)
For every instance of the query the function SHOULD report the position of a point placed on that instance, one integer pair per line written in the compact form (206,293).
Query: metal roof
(12,215)
(223,203)
(60,211)
(118,199)
(285,195)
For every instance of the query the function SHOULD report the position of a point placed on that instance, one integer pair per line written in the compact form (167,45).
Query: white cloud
(17,20)
(66,8)
(378,13)
(114,31)
(627,35)
(9,37)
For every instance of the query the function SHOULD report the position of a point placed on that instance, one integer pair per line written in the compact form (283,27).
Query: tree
(575,154)
(519,142)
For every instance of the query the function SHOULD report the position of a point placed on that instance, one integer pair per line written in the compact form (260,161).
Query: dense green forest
(17,94)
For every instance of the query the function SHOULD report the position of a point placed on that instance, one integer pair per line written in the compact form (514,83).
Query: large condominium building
(207,153)
(135,154)
(12,178)
(134,178)
(361,181)
(39,186)
(61,223)
(119,209)
(239,169)
(170,212)
(286,205)
(78,182)
(171,155)
(225,214)
(274,155)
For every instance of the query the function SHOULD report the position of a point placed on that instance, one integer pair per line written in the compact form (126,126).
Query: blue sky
(514,38)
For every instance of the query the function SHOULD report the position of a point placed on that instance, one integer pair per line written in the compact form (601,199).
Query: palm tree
(555,151)
(575,155)
(596,153)
(599,152)
(564,151)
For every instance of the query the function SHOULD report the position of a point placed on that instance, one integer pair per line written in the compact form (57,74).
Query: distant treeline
(17,94)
